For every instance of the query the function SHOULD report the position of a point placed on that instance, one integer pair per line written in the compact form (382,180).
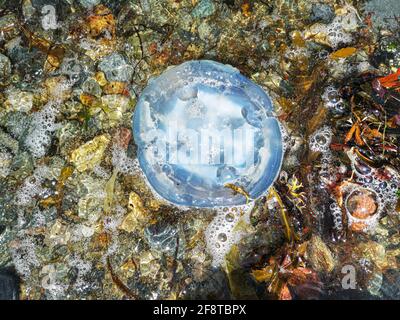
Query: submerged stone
(9,285)
(89,3)
(5,67)
(206,136)
(322,12)
(116,68)
(203,9)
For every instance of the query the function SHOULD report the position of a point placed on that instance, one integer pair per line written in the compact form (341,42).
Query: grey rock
(9,284)
(203,9)
(116,68)
(8,27)
(162,237)
(92,87)
(384,13)
(5,67)
(89,3)
(322,12)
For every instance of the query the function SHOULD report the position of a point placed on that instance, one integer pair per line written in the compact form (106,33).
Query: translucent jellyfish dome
(206,136)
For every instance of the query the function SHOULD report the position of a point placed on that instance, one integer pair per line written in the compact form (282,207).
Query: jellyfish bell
(202,126)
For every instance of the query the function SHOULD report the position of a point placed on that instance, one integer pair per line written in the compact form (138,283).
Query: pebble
(203,9)
(116,68)
(322,12)
(9,285)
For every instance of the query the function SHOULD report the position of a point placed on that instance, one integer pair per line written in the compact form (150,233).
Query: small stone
(8,142)
(114,107)
(8,27)
(16,123)
(149,266)
(28,9)
(58,88)
(18,100)
(9,285)
(5,67)
(5,163)
(362,204)
(100,78)
(204,9)
(322,12)
(136,214)
(89,3)
(320,256)
(116,68)
(86,231)
(92,87)
(376,254)
(162,237)
(87,156)
(205,31)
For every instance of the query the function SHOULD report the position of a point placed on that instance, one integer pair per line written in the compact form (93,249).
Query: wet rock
(204,9)
(384,12)
(27,9)
(8,27)
(7,142)
(18,100)
(6,234)
(90,154)
(92,87)
(9,284)
(390,287)
(320,256)
(136,215)
(22,165)
(149,266)
(28,62)
(116,68)
(5,163)
(162,237)
(5,67)
(89,3)
(215,286)
(115,106)
(321,12)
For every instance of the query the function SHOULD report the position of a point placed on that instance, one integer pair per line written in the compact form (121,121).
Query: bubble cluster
(384,181)
(42,127)
(333,100)
(24,255)
(32,186)
(221,234)
(363,207)
(321,140)
(336,214)
(83,267)
(5,162)
(338,32)
(123,163)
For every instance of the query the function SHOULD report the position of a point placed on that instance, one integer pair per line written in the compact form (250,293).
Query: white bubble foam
(221,234)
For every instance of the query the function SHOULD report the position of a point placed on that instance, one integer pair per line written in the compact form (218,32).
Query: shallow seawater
(199,149)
